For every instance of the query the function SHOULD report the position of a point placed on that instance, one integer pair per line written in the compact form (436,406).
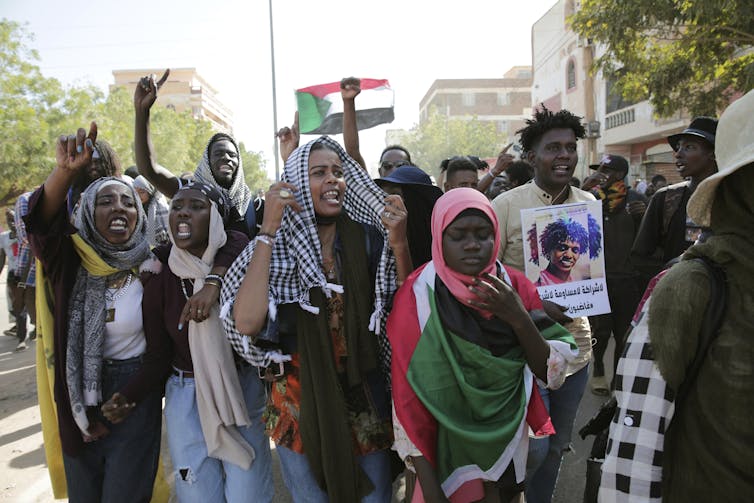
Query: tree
(115,124)
(680,54)
(24,92)
(179,139)
(254,169)
(438,138)
(35,109)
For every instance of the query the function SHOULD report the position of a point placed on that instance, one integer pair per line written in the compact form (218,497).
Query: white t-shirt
(124,336)
(11,252)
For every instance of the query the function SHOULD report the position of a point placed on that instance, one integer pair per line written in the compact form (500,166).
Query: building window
(502,127)
(468,99)
(503,99)
(614,99)
(571,74)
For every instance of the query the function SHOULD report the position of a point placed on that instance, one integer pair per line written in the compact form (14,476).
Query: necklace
(328,266)
(183,287)
(115,281)
(118,292)
(554,199)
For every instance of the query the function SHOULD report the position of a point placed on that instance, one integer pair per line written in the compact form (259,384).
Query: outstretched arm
(144,97)
(504,159)
(350,87)
(288,138)
(72,153)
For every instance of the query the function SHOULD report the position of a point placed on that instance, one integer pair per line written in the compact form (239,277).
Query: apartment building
(562,78)
(184,90)
(506,102)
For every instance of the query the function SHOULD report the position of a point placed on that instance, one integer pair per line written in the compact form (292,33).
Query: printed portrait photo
(564,246)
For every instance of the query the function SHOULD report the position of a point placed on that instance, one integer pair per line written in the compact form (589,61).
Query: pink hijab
(447,208)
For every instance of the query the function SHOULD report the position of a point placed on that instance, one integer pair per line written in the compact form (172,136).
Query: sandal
(599,386)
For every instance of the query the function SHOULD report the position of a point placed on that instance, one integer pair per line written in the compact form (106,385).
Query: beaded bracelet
(266,239)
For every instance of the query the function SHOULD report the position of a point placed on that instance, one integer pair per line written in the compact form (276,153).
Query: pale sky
(410,43)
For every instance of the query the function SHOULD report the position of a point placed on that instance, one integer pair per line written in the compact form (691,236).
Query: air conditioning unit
(592,129)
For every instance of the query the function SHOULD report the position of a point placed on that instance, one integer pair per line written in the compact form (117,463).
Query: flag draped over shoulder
(463,408)
(320,107)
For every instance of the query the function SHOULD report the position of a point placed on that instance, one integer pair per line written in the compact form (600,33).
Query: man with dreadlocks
(549,142)
(220,165)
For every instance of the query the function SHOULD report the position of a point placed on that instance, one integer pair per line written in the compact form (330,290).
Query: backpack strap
(673,198)
(713,318)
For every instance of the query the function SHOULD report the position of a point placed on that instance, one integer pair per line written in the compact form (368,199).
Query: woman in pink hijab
(468,337)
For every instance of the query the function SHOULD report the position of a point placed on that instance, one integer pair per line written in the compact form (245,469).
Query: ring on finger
(285,194)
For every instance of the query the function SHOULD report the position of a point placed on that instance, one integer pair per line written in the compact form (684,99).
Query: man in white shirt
(549,145)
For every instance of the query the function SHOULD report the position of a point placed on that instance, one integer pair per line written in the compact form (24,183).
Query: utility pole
(274,99)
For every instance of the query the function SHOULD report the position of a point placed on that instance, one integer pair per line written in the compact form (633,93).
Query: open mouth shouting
(332,197)
(118,225)
(183,231)
(225,170)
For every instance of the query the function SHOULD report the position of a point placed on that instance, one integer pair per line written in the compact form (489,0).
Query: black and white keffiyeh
(295,267)
(239,193)
(156,211)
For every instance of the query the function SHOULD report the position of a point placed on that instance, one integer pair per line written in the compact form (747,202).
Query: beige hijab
(219,397)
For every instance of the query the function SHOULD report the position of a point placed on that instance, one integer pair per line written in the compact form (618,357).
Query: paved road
(23,473)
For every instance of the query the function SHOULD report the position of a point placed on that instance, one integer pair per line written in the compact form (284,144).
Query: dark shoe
(11,332)
(600,386)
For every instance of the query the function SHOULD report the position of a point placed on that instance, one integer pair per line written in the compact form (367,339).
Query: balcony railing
(620,118)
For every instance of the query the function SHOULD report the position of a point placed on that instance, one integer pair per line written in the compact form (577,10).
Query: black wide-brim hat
(700,127)
(415,179)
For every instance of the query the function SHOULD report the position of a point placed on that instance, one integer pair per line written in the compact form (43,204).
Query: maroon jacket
(52,245)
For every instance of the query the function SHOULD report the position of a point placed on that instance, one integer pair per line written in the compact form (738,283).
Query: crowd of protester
(384,328)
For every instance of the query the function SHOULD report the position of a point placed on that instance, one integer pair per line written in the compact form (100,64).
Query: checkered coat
(632,471)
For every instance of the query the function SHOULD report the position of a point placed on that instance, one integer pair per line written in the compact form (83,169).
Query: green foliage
(254,169)
(439,138)
(35,110)
(681,54)
(115,124)
(26,97)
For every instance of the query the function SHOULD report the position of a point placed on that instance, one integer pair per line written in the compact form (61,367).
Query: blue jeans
(303,487)
(120,467)
(200,478)
(545,454)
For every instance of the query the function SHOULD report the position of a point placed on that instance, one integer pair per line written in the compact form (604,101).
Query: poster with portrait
(564,252)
